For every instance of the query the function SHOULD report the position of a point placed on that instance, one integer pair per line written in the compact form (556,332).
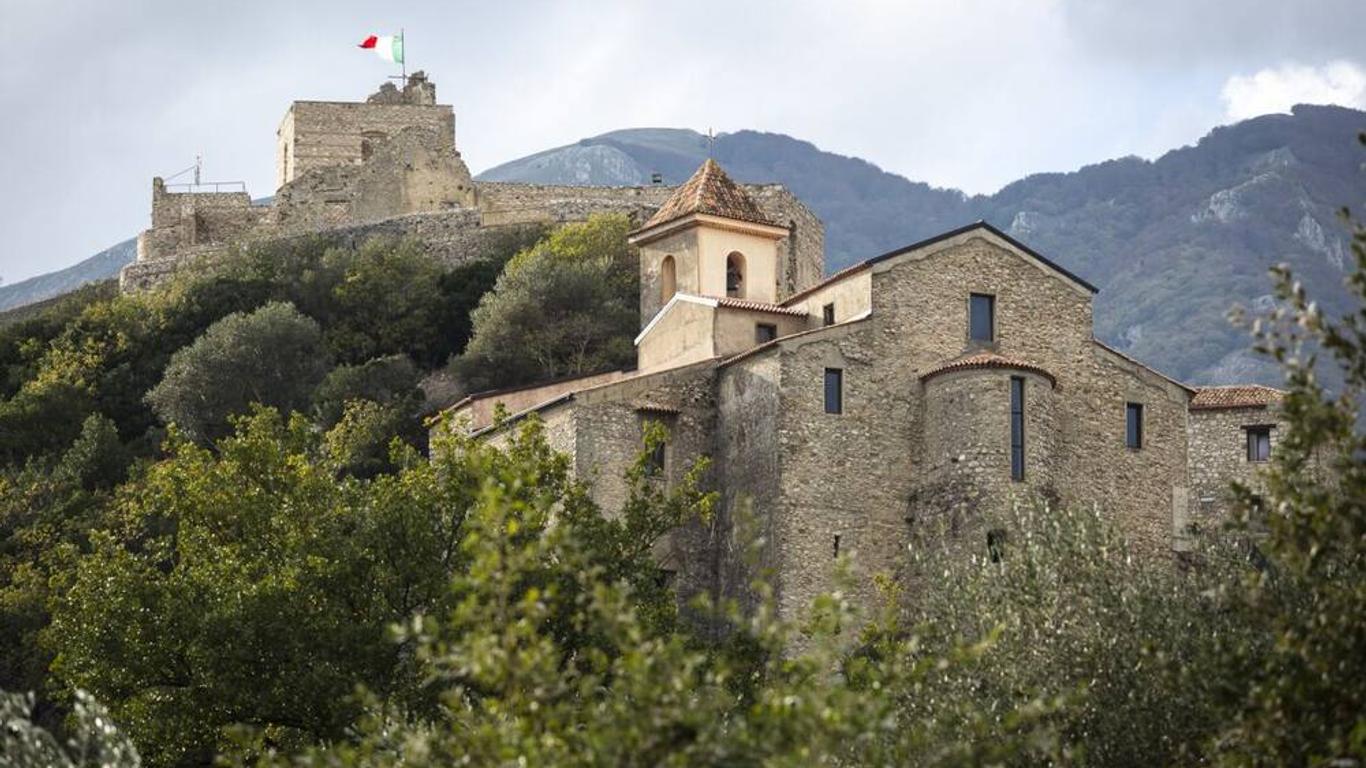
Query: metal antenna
(198,164)
(711,139)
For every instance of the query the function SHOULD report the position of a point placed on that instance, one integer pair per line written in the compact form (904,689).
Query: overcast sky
(100,96)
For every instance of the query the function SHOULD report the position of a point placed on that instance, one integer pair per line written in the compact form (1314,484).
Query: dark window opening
(996,540)
(369,141)
(1258,443)
(981,317)
(837,545)
(655,464)
(765,332)
(656,460)
(735,275)
(1017,455)
(834,390)
(1133,425)
(828,314)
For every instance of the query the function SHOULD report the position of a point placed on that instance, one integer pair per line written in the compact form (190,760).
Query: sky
(101,96)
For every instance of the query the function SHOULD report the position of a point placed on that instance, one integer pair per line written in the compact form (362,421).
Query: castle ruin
(390,166)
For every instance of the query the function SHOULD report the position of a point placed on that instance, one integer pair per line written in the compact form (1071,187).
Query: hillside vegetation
(257,600)
(226,539)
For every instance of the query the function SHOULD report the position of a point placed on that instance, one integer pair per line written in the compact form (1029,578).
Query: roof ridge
(708,191)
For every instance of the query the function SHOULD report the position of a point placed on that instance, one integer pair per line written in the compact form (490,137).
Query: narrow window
(828,314)
(981,316)
(1017,455)
(837,545)
(1133,425)
(735,275)
(668,278)
(834,390)
(764,332)
(655,464)
(657,459)
(1258,443)
(996,540)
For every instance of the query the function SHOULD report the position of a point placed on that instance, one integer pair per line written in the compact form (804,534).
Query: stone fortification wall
(410,188)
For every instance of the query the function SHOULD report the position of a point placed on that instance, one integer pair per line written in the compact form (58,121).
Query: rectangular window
(1017,455)
(655,464)
(834,390)
(1133,425)
(828,314)
(981,317)
(1258,443)
(765,332)
(656,461)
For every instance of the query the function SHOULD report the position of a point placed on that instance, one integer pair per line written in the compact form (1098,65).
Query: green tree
(47,511)
(272,356)
(568,306)
(388,381)
(250,587)
(1305,701)
(388,301)
(92,738)
(546,656)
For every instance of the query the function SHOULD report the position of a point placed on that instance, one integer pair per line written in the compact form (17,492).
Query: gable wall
(863,473)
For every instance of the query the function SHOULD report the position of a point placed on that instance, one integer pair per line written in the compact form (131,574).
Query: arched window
(668,279)
(735,275)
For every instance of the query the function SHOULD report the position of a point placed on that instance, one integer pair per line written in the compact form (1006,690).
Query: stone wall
(966,452)
(749,475)
(321,134)
(1218,458)
(872,473)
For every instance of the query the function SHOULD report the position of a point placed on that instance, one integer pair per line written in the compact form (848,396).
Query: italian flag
(389,47)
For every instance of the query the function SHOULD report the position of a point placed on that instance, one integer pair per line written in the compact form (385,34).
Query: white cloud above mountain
(1277,89)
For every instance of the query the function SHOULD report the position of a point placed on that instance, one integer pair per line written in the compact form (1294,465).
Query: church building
(920,389)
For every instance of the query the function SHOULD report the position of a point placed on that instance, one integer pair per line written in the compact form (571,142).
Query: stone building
(918,390)
(390,166)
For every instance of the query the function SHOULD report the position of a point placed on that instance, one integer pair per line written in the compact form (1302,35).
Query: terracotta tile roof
(1236,396)
(759,306)
(709,191)
(986,360)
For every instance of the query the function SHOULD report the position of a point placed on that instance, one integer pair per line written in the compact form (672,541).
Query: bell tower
(708,239)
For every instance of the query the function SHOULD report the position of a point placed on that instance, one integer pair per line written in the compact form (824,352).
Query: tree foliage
(567,306)
(272,356)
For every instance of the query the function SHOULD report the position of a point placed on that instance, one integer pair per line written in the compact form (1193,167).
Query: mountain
(101,266)
(1172,243)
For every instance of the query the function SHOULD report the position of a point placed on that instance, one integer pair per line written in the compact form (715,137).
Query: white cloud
(1278,89)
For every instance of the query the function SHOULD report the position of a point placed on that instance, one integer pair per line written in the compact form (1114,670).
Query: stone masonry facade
(855,414)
